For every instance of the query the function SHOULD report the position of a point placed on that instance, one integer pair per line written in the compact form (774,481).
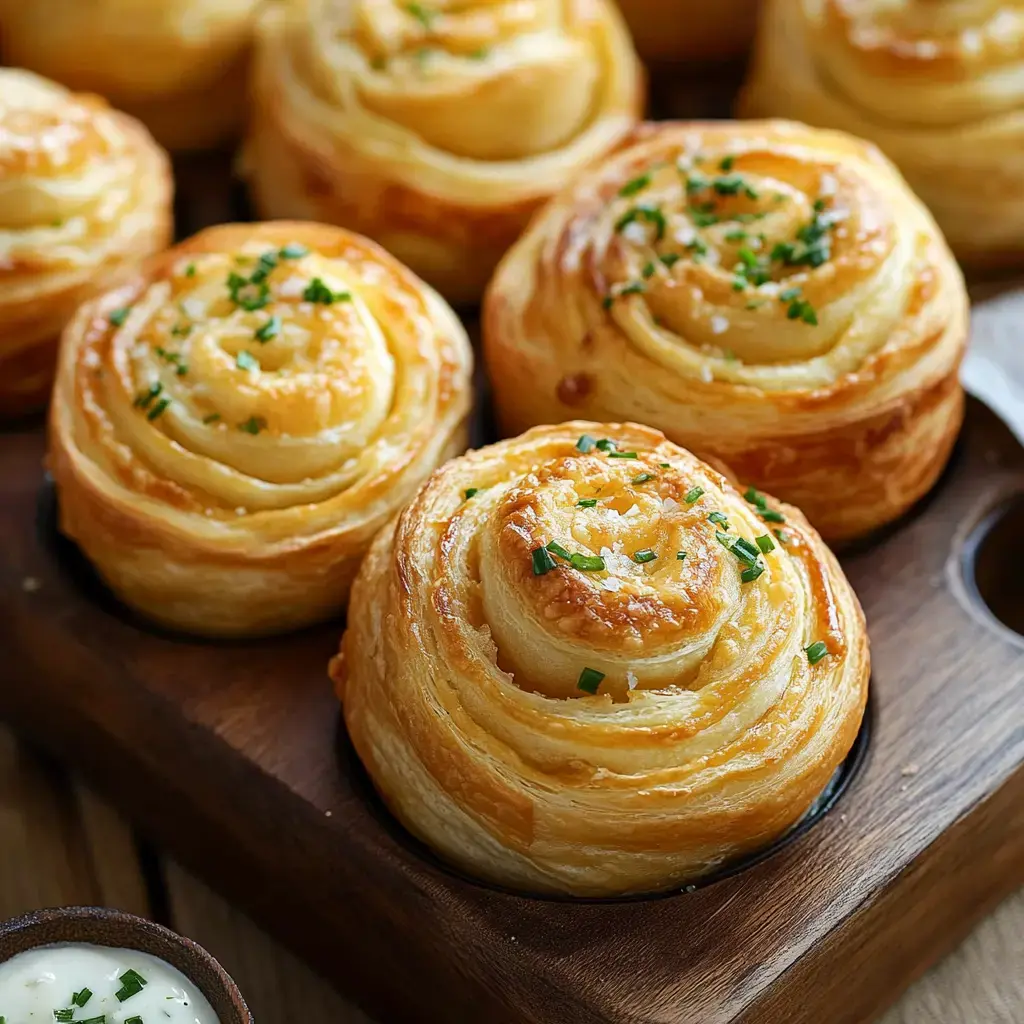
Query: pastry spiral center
(616,563)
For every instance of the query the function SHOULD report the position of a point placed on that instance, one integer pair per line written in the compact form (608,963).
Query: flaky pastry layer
(768,294)
(85,194)
(232,426)
(435,128)
(581,661)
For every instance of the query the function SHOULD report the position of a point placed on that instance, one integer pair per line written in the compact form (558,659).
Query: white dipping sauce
(37,985)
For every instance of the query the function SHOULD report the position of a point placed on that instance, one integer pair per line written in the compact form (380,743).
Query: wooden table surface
(60,844)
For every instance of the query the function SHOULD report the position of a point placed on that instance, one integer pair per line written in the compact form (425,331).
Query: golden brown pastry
(231,427)
(178,65)
(938,86)
(85,193)
(581,661)
(436,127)
(765,293)
(691,30)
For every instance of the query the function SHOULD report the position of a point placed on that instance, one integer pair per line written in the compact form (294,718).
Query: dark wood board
(231,755)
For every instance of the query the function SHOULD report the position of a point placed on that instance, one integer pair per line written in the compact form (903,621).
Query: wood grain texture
(242,741)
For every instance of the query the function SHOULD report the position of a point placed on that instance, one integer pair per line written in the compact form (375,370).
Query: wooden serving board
(232,755)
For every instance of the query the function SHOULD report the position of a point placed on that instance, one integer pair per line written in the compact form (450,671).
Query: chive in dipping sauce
(86,984)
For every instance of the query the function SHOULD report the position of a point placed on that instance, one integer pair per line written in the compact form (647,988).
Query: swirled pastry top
(603,668)
(436,84)
(785,265)
(264,384)
(78,182)
(127,49)
(918,62)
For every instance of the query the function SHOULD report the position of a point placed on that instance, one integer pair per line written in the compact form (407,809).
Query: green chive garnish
(317,291)
(101,1019)
(118,317)
(606,444)
(64,1015)
(472,491)
(642,478)
(212,418)
(741,548)
(646,555)
(269,330)
(190,270)
(253,425)
(718,518)
(816,652)
(755,497)
(670,259)
(249,295)
(680,556)
(246,361)
(586,563)
(158,409)
(751,574)
(542,561)
(81,998)
(143,400)
(134,1020)
(771,516)
(665,465)
(293,251)
(587,502)
(586,444)
(727,162)
(780,536)
(589,680)
(648,271)
(555,548)
(693,494)
(636,185)
(623,455)
(422,14)
(765,543)
(646,212)
(132,984)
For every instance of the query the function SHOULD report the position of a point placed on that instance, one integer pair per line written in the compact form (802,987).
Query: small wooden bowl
(100,926)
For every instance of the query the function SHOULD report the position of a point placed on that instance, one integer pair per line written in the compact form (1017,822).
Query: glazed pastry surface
(691,31)
(180,66)
(937,86)
(435,128)
(768,294)
(232,426)
(85,193)
(583,662)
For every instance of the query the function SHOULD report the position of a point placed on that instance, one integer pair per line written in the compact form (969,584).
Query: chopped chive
(269,330)
(801,309)
(755,497)
(181,330)
(293,251)
(249,295)
(587,502)
(317,291)
(190,270)
(646,212)
(556,549)
(636,185)
(64,1015)
(132,984)
(648,270)
(264,265)
(101,1019)
(143,400)
(665,465)
(670,259)
(81,998)
(736,235)
(633,288)
(606,444)
(542,561)
(480,54)
(750,574)
(253,425)
(771,516)
(589,680)
(816,652)
(718,518)
(471,492)
(586,444)
(134,1020)
(157,409)
(693,494)
(642,478)
(246,361)
(781,537)
(765,543)
(789,294)
(118,317)
(422,14)
(742,549)
(726,162)
(680,556)
(212,418)
(644,555)
(586,563)
(623,455)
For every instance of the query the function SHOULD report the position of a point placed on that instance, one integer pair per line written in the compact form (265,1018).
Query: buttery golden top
(261,368)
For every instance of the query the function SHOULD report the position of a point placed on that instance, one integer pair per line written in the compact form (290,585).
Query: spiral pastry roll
(938,86)
(180,66)
(690,30)
(435,127)
(85,193)
(582,662)
(765,293)
(231,428)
